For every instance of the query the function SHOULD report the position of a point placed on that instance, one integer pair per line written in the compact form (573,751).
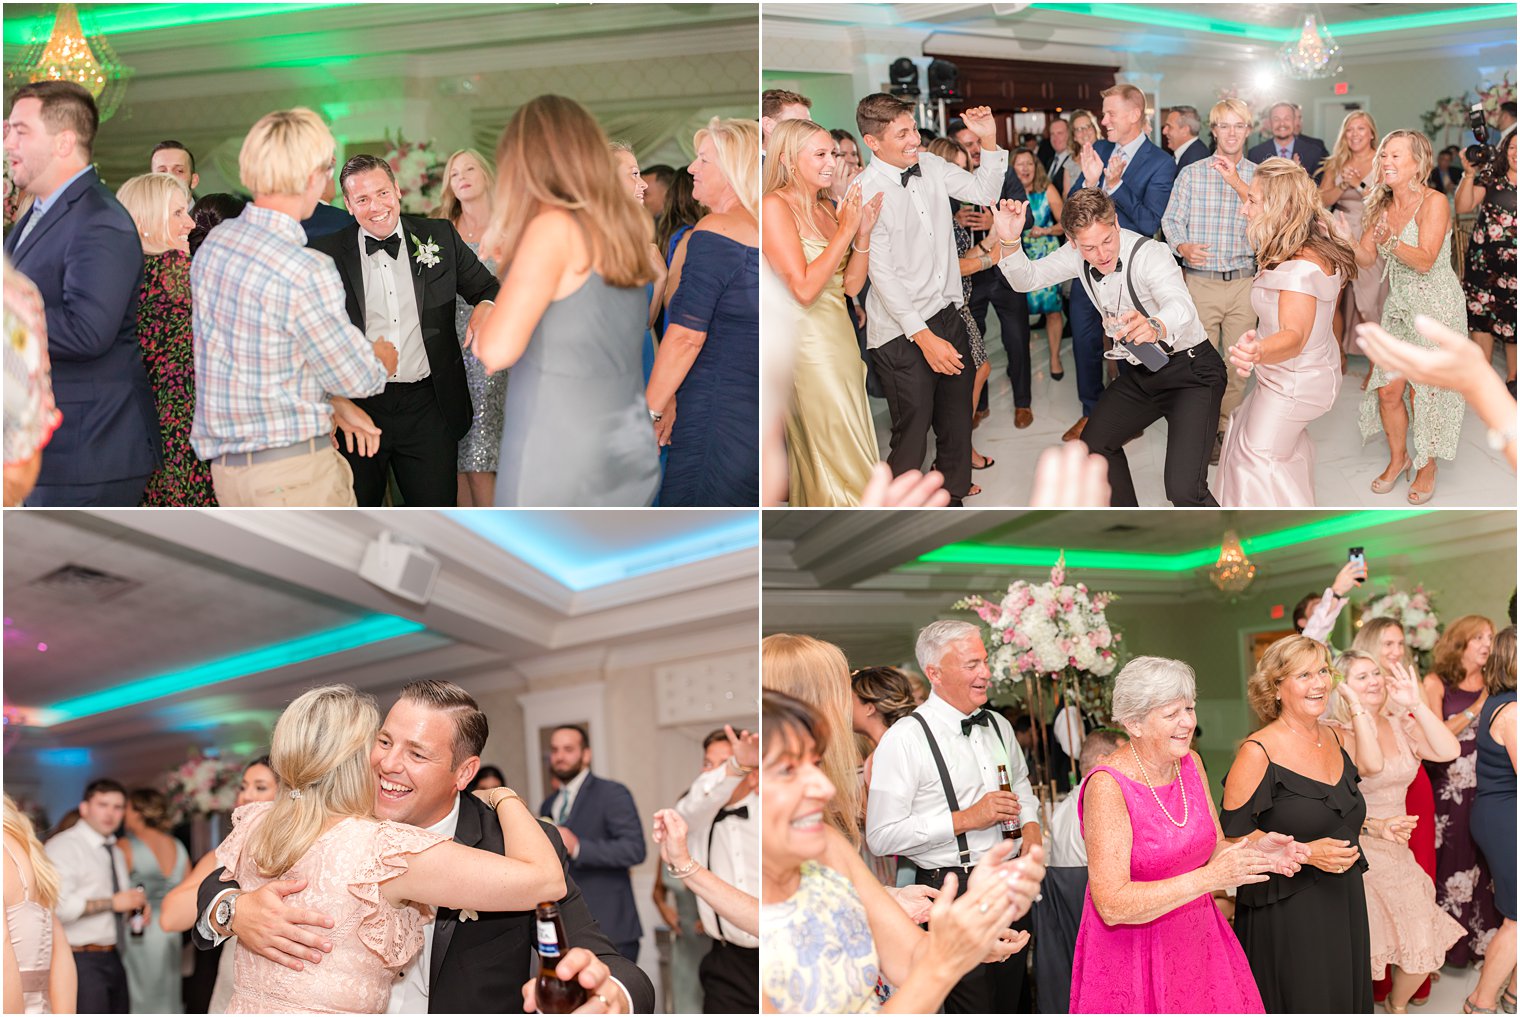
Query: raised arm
(731,903)
(538,267)
(781,242)
(1064,263)
(1432,739)
(455,876)
(1469,193)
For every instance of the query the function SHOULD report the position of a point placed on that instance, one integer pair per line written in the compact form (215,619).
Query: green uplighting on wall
(376,629)
(1147,15)
(111,19)
(1185,561)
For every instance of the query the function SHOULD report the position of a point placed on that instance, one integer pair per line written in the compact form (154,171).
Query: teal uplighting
(112,19)
(375,629)
(1143,14)
(1141,561)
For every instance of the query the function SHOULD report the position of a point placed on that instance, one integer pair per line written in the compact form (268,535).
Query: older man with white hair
(935,796)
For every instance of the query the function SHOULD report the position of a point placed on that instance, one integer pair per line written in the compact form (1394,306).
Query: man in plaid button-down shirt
(1205,228)
(274,349)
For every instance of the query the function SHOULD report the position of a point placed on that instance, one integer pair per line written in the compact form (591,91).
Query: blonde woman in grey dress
(468,186)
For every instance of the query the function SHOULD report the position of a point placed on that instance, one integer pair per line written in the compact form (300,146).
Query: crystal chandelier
(1233,572)
(1312,54)
(71,55)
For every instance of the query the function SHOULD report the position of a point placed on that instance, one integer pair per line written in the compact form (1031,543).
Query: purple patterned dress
(1464,886)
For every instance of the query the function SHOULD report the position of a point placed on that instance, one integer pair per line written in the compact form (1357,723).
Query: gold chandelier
(69,54)
(1233,572)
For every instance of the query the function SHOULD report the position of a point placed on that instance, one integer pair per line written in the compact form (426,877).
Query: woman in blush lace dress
(376,879)
(1151,939)
(1410,934)
(39,969)
(1268,458)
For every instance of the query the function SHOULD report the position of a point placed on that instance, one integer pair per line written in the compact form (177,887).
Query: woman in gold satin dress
(821,253)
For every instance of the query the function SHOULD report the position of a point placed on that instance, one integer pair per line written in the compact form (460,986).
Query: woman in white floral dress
(1455,692)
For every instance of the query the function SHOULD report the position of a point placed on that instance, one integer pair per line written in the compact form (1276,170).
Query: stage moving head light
(943,77)
(904,75)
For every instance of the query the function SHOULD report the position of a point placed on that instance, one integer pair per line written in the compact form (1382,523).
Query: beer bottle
(139,920)
(552,993)
(1008,826)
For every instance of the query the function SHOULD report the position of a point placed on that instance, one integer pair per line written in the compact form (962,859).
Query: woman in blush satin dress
(1268,458)
(1345,180)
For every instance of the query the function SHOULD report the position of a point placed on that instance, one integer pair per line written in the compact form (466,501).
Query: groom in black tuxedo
(426,752)
(401,274)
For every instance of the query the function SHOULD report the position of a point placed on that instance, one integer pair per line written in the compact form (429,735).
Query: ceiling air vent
(86,583)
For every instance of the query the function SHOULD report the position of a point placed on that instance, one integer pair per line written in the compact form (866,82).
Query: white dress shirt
(1067,848)
(79,855)
(410,993)
(914,267)
(390,307)
(1127,150)
(1158,281)
(906,812)
(735,855)
(1177,153)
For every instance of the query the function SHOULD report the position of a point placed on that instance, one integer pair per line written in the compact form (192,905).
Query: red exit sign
(1277,612)
(1342,88)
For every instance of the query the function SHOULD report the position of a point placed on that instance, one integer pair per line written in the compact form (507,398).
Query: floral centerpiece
(1047,642)
(1495,95)
(1414,612)
(419,173)
(200,786)
(1448,113)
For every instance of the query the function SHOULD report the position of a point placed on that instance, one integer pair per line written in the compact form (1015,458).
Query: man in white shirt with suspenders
(1176,373)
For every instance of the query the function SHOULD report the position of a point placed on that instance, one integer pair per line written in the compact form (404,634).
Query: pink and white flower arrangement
(201,786)
(1413,611)
(1050,630)
(419,174)
(1494,96)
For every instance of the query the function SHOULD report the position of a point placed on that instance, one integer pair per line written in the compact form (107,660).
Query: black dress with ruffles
(1306,935)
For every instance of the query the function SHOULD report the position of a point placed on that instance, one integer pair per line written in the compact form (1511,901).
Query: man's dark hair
(1508,106)
(363,164)
(470,727)
(102,785)
(172,146)
(210,211)
(1301,611)
(65,107)
(1085,207)
(773,99)
(660,171)
(1022,723)
(486,771)
(713,738)
(876,111)
(578,729)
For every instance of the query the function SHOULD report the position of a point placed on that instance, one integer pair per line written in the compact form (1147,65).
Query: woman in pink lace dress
(376,879)
(1410,934)
(1151,938)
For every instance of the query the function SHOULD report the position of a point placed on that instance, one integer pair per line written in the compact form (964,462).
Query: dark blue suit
(1141,200)
(1310,152)
(85,259)
(605,820)
(1192,155)
(327,219)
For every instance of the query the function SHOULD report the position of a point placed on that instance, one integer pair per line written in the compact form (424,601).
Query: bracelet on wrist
(858,250)
(1005,244)
(690,867)
(739,767)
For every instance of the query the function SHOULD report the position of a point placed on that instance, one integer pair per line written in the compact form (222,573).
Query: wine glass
(1113,325)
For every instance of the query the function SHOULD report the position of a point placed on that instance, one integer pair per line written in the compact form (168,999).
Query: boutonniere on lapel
(424,253)
(466,915)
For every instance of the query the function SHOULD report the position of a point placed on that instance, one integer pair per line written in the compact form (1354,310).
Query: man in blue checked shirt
(1205,228)
(275,352)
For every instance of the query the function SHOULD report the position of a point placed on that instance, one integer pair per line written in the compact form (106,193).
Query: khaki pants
(1224,308)
(320,478)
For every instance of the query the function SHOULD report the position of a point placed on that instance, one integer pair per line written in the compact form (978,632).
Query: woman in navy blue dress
(704,390)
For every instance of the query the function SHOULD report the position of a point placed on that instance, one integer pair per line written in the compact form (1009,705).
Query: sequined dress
(479,449)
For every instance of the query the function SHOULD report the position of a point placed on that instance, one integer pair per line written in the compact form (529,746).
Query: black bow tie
(391,244)
(742,812)
(979,717)
(1095,275)
(912,171)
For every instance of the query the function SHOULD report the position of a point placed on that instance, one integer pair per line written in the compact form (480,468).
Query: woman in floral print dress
(1455,693)
(1489,279)
(160,207)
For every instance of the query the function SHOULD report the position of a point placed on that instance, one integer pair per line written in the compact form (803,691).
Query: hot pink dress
(1268,459)
(1186,961)
(372,941)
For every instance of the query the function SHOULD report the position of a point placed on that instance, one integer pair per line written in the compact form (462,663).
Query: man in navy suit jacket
(1283,122)
(1137,175)
(601,829)
(1180,129)
(81,249)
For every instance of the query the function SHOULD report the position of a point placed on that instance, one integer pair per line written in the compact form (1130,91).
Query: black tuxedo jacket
(458,272)
(480,966)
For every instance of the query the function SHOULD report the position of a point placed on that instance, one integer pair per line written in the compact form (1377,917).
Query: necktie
(391,244)
(910,173)
(1282,152)
(742,812)
(121,919)
(26,231)
(564,806)
(979,717)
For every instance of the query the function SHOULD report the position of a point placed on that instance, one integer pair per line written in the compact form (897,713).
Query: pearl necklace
(1177,766)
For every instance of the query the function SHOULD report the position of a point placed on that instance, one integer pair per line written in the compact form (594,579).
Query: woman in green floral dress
(1410,225)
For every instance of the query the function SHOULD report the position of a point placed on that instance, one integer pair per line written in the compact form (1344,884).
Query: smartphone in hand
(1356,556)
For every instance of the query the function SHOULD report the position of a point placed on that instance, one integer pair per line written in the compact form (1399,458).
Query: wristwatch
(655,417)
(225,909)
(1156,324)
